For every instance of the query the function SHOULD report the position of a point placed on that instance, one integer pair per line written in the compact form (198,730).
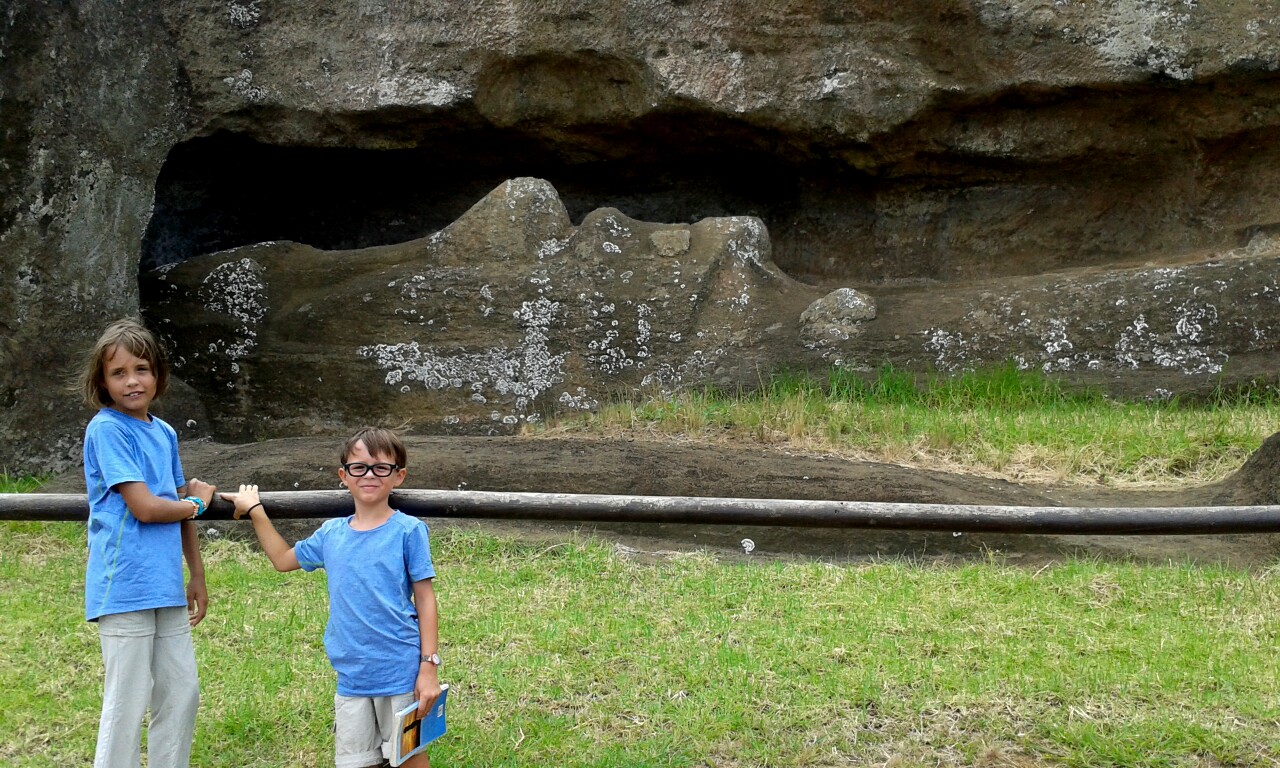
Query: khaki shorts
(362,728)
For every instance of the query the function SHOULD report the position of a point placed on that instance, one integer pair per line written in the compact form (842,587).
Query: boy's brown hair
(138,341)
(379,441)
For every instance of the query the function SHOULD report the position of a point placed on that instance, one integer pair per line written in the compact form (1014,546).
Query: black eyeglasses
(360,469)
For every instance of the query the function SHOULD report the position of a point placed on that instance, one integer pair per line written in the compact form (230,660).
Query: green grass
(1004,423)
(19,483)
(580,654)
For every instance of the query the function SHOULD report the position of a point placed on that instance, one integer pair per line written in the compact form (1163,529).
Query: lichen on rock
(480,327)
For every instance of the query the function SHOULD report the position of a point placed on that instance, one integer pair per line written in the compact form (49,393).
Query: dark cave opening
(838,214)
(228,190)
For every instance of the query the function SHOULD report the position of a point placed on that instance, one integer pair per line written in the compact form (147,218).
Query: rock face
(888,148)
(90,104)
(512,312)
(1137,332)
(505,314)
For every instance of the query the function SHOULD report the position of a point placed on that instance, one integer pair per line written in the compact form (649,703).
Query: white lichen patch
(241,84)
(237,289)
(577,400)
(515,375)
(1057,346)
(1151,35)
(550,247)
(1185,319)
(749,240)
(833,319)
(244,15)
(617,334)
(668,379)
(410,89)
(617,229)
(422,285)
(1140,345)
(950,349)
(536,195)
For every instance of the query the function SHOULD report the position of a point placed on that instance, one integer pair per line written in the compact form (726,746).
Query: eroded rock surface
(512,312)
(1144,332)
(485,325)
(913,144)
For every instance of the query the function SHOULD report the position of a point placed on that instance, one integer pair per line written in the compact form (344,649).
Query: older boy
(382,635)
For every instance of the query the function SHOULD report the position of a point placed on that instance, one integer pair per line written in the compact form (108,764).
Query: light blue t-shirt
(133,566)
(372,638)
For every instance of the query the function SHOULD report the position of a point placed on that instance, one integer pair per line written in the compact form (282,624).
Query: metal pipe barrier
(697,510)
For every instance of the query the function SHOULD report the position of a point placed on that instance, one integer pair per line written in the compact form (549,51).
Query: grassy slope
(1004,423)
(581,655)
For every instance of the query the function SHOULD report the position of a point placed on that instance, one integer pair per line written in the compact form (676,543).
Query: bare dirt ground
(636,467)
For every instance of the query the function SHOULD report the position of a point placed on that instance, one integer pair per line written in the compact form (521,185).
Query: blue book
(414,733)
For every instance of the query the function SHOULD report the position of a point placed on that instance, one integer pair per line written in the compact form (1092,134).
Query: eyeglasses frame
(369,468)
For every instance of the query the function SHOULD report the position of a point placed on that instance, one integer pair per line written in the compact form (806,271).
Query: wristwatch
(434,658)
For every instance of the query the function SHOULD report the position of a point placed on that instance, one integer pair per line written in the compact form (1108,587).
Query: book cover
(412,733)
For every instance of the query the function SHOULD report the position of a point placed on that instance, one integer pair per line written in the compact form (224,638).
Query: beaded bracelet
(198,503)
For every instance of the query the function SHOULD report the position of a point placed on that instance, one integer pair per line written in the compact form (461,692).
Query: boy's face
(130,381)
(369,489)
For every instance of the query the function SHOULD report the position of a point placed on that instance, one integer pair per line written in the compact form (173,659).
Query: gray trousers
(150,663)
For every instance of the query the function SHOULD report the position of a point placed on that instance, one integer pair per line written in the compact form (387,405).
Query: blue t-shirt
(133,566)
(372,638)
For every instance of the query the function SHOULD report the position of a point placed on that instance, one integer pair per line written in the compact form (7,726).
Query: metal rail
(697,510)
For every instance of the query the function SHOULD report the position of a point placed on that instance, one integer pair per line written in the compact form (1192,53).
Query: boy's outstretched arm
(427,688)
(273,544)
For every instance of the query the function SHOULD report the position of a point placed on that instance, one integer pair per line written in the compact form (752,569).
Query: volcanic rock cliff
(1086,188)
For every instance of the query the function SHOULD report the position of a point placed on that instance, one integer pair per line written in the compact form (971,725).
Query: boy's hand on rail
(246,499)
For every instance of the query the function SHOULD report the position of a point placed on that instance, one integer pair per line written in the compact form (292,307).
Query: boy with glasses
(382,635)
